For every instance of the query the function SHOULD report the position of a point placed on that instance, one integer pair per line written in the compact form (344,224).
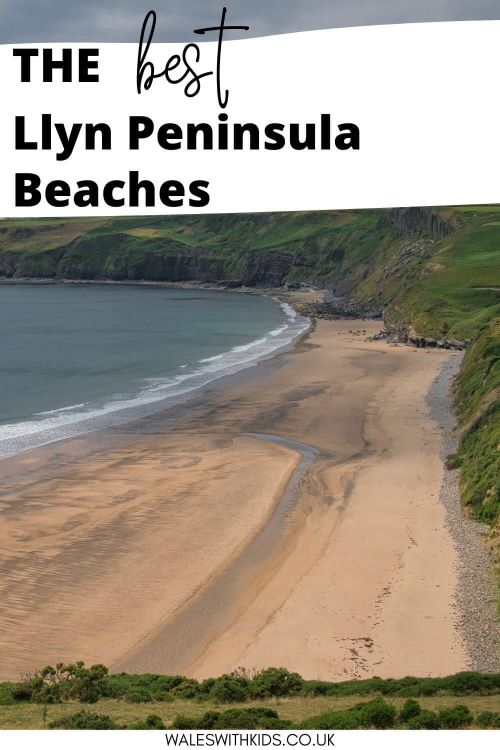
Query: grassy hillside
(435,270)
(478,404)
(437,276)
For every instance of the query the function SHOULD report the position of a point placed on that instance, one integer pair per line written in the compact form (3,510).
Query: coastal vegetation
(270,699)
(478,404)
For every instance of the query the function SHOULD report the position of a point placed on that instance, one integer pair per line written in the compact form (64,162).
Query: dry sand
(181,544)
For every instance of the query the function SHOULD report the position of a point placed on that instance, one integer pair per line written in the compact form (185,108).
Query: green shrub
(159,686)
(454,461)
(334,720)
(425,720)
(84,720)
(186,689)
(229,689)
(6,697)
(62,682)
(277,724)
(464,683)
(245,718)
(234,718)
(185,722)
(153,721)
(426,688)
(205,687)
(456,717)
(316,687)
(49,693)
(87,685)
(162,696)
(138,696)
(488,720)
(410,709)
(22,691)
(208,720)
(275,682)
(251,718)
(377,714)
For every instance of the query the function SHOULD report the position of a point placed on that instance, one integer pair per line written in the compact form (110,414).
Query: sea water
(79,357)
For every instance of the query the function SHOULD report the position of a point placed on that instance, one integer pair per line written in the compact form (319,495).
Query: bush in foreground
(424,720)
(153,721)
(488,720)
(275,682)
(139,696)
(410,709)
(377,714)
(6,697)
(229,689)
(234,718)
(374,714)
(140,688)
(333,720)
(455,718)
(84,720)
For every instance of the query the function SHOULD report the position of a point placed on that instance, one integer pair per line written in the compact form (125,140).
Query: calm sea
(75,358)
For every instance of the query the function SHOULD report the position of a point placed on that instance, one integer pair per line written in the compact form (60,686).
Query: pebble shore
(476,592)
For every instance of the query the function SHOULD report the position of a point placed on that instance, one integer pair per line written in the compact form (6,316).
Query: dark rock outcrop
(112,258)
(420,219)
(338,308)
(404,333)
(266,268)
(79,261)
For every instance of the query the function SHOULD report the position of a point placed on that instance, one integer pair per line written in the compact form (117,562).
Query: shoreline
(282,295)
(209,286)
(282,396)
(184,383)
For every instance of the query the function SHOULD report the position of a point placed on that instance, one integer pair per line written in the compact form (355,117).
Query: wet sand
(192,542)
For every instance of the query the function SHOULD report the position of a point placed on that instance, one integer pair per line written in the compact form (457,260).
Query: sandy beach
(194,542)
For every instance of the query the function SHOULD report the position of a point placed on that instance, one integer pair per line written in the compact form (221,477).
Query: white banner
(340,740)
(423,99)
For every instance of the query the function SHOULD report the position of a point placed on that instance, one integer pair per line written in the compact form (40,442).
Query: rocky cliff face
(168,267)
(74,262)
(269,268)
(420,219)
(171,262)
